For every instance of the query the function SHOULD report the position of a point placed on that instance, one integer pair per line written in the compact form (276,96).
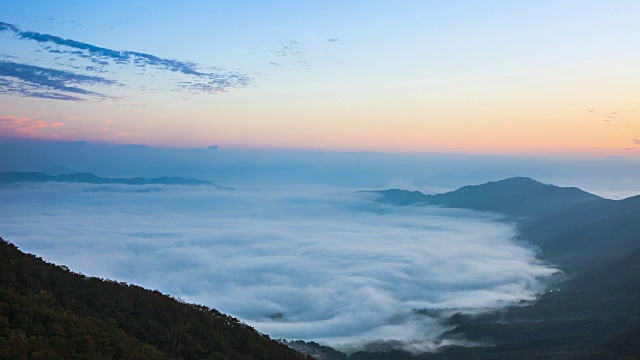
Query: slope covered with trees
(587,234)
(47,312)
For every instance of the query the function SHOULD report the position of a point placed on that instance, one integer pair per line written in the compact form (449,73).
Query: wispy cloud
(291,53)
(25,126)
(193,76)
(36,81)
(291,48)
(636,141)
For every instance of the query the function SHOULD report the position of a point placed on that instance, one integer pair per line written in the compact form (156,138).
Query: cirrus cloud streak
(80,59)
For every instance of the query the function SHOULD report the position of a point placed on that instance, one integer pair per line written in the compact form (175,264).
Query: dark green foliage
(625,346)
(48,312)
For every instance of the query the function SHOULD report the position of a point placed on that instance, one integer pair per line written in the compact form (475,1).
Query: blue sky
(454,76)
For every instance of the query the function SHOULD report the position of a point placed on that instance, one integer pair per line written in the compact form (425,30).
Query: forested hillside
(48,312)
(587,234)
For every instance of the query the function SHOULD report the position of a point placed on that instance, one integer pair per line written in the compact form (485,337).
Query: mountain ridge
(518,197)
(88,178)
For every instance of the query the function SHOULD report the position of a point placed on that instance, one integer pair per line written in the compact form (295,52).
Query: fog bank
(303,262)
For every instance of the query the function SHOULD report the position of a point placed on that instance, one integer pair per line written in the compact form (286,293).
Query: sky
(471,77)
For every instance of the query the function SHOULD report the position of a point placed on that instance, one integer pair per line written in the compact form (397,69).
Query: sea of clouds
(303,262)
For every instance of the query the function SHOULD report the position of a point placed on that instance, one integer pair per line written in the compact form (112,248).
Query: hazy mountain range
(87,178)
(354,169)
(593,312)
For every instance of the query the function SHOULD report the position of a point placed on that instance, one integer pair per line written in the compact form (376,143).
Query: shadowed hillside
(595,315)
(516,197)
(48,312)
(587,234)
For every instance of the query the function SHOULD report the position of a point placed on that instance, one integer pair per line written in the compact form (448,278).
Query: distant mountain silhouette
(517,197)
(48,312)
(87,178)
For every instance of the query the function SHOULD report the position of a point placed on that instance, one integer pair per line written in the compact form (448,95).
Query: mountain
(574,229)
(587,234)
(17,177)
(595,314)
(516,197)
(46,311)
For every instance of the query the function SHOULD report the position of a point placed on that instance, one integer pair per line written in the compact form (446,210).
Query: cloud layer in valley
(314,263)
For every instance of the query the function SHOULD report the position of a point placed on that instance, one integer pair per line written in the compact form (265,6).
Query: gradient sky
(403,76)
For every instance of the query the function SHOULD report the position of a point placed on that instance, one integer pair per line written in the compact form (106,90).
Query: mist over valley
(316,263)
